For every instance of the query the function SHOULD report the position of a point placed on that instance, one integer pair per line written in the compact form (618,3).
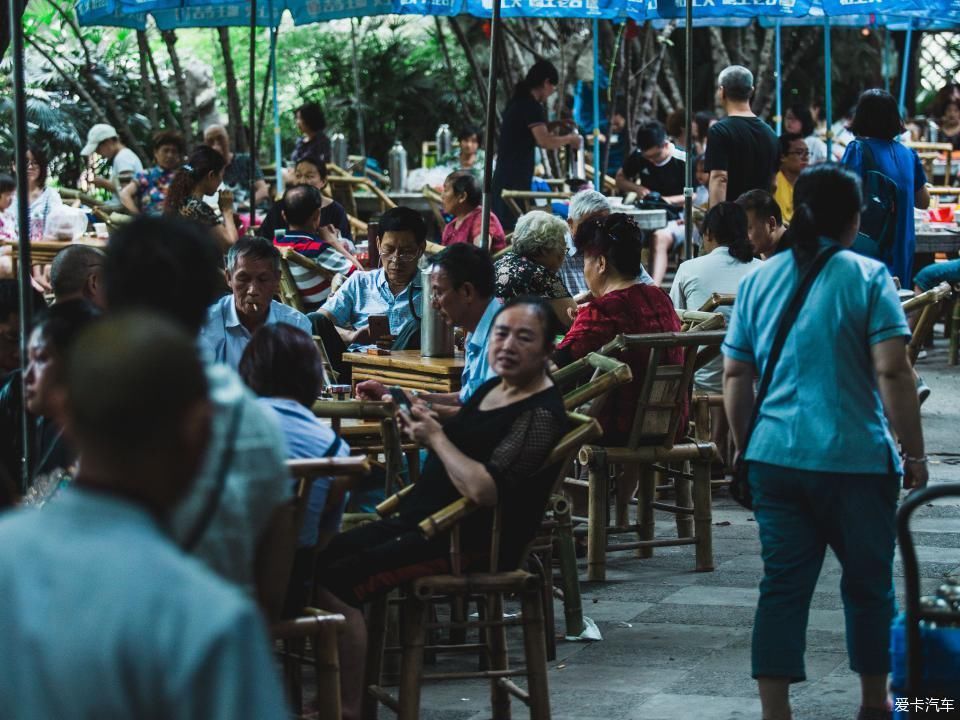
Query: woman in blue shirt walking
(822,463)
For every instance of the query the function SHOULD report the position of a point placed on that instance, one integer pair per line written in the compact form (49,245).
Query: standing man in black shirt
(656,167)
(742,151)
(522,129)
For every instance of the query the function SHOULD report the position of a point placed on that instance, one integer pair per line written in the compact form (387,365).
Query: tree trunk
(117,117)
(652,72)
(442,42)
(718,52)
(234,111)
(264,97)
(808,37)
(475,72)
(188,110)
(750,49)
(165,102)
(766,82)
(144,48)
(670,79)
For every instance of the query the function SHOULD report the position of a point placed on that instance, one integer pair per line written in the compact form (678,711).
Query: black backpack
(878,220)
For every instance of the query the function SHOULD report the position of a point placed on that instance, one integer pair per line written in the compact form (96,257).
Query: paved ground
(677,643)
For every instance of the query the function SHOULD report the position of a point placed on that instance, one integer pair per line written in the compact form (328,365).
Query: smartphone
(400,398)
(379,327)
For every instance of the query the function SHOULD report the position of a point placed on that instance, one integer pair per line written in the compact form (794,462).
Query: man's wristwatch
(910,460)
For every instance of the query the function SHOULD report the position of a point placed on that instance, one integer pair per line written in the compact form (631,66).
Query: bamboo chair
(43,252)
(341,188)
(928,303)
(493,585)
(659,408)
(608,184)
(718,300)
(318,627)
(931,151)
(523,201)
(436,204)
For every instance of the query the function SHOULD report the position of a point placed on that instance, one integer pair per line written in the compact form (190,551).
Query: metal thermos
(444,140)
(338,150)
(397,162)
(575,161)
(436,336)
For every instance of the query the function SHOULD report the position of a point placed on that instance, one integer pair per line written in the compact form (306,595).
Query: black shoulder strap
(786,324)
(213,501)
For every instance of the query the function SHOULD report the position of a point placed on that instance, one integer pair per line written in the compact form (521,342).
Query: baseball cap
(97,134)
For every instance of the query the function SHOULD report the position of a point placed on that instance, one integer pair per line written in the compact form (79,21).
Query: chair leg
(327,660)
(645,519)
(535,656)
(685,500)
(703,514)
(497,640)
(376,641)
(569,578)
(411,667)
(599,507)
(542,566)
(624,490)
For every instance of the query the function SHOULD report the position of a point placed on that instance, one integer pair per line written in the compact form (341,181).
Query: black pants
(324,328)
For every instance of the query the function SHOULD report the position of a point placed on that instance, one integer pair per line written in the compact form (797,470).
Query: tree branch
(471,60)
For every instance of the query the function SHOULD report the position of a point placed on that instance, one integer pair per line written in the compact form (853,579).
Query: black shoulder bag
(739,486)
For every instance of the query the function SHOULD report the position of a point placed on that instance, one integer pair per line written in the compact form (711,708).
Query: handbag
(739,486)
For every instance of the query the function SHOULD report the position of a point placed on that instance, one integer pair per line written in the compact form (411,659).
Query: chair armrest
(389,506)
(447,517)
(354,409)
(337,466)
(307,626)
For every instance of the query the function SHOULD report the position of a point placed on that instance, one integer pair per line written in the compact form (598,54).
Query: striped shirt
(314,285)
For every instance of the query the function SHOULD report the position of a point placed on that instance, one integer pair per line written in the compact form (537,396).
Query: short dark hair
(802,113)
(464,181)
(651,134)
(403,219)
(10,299)
(466,263)
(255,248)
(71,267)
(169,137)
(202,161)
(762,203)
(826,200)
(7,183)
(165,265)
(726,223)
(737,83)
(617,237)
(539,73)
(312,116)
(785,140)
(469,131)
(282,361)
(877,116)
(40,158)
(317,161)
(544,312)
(61,324)
(701,123)
(676,123)
(300,202)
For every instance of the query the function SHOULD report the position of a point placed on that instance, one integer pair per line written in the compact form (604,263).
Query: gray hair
(72,266)
(737,83)
(587,202)
(539,232)
(256,248)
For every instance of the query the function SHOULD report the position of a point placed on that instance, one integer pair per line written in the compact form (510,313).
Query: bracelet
(922,460)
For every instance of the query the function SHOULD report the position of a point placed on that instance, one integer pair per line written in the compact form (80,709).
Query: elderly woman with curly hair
(532,265)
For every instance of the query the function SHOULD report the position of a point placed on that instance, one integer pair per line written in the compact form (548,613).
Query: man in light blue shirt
(462,287)
(152,633)
(253,272)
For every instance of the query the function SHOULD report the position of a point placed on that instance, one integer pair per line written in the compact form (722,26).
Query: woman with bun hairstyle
(201,176)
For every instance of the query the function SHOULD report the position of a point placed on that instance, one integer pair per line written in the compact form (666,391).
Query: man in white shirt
(143,631)
(103,140)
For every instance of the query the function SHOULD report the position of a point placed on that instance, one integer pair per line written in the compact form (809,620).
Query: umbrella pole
(828,84)
(23,225)
(278,160)
(886,59)
(488,128)
(356,99)
(253,110)
(905,68)
(598,170)
(688,166)
(779,75)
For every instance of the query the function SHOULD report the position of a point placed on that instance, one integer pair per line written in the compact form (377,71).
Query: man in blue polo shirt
(462,288)
(253,273)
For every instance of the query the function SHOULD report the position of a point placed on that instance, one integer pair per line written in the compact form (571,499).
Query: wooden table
(408,370)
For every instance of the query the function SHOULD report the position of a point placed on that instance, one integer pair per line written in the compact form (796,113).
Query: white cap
(98,133)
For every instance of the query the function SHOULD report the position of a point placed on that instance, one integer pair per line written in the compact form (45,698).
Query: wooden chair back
(436,204)
(523,201)
(699,320)
(931,151)
(928,304)
(605,374)
(719,300)
(665,388)
(341,188)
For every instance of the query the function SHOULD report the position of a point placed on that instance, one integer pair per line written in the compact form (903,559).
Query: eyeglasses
(400,256)
(800,153)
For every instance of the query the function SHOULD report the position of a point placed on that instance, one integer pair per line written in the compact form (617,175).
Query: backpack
(878,220)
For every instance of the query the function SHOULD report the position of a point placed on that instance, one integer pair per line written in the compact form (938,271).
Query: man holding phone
(461,287)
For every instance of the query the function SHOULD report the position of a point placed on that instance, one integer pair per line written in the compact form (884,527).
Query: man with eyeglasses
(794,158)
(392,290)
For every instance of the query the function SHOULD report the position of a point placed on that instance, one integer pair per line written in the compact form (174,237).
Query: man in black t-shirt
(742,151)
(657,166)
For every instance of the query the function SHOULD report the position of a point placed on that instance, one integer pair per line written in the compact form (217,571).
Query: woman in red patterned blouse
(621,304)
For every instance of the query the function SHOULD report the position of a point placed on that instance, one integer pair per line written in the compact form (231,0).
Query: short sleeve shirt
(823,411)
(515,151)
(748,150)
(666,179)
(236,176)
(197,210)
(152,186)
(125,162)
(225,337)
(517,275)
(368,293)
(476,368)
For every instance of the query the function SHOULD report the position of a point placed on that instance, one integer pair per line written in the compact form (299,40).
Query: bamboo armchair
(931,151)
(928,303)
(341,189)
(43,252)
(318,627)
(523,201)
(660,405)
(719,300)
(492,585)
(608,184)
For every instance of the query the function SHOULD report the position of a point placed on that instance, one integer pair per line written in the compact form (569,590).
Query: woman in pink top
(462,198)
